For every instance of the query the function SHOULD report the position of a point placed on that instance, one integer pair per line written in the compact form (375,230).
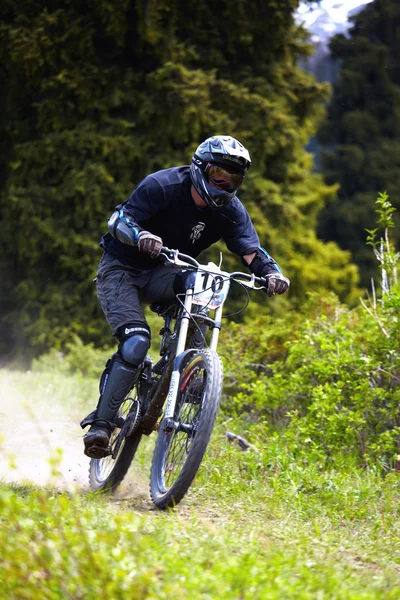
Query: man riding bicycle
(186,207)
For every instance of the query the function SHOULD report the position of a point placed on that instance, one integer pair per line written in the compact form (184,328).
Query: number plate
(211,287)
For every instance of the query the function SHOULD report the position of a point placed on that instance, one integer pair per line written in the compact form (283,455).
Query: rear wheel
(182,441)
(105,474)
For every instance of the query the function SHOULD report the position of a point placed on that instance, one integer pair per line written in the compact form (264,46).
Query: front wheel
(180,450)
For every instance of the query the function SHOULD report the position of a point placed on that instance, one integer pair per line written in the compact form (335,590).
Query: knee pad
(135,341)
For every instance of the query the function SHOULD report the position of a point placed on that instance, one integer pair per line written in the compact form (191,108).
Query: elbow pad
(122,229)
(263,264)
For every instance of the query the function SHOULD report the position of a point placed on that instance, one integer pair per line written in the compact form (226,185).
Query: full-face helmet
(218,168)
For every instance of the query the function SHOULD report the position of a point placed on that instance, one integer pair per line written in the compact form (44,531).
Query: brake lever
(167,254)
(249,283)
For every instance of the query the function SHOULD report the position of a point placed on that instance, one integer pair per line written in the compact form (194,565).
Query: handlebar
(184,260)
(174,256)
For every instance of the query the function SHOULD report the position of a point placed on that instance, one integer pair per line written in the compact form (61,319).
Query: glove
(149,243)
(277,284)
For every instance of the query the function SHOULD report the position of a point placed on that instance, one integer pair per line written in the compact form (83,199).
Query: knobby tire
(200,387)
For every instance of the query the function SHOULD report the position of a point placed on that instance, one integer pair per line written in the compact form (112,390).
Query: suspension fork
(180,354)
(216,328)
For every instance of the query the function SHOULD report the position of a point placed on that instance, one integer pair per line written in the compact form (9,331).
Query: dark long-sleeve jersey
(162,204)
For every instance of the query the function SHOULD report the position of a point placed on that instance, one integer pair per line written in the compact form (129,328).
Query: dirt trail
(31,435)
(36,422)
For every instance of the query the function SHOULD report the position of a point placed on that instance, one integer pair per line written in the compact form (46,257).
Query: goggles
(221,179)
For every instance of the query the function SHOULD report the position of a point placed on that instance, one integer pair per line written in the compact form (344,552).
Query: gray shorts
(121,290)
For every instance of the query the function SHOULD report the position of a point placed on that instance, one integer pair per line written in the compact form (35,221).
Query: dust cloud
(39,425)
(34,430)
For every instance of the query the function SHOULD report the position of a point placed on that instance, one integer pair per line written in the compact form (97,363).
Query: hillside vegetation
(97,95)
(309,511)
(258,524)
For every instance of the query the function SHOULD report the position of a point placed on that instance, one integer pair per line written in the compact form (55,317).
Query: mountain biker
(185,207)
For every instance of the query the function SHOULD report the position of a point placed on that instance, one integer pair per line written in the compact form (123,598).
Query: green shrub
(77,358)
(330,376)
(333,388)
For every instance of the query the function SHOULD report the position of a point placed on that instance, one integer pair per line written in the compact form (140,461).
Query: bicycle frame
(189,370)
(171,375)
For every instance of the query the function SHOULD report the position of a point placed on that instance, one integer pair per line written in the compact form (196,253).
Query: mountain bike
(187,380)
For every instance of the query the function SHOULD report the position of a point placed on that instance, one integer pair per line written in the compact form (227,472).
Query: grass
(256,524)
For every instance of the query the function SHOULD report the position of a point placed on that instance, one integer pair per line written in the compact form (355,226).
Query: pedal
(98,451)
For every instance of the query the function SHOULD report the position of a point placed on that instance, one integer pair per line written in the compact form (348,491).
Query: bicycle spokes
(183,431)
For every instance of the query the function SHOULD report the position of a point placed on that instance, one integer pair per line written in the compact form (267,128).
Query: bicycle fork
(181,354)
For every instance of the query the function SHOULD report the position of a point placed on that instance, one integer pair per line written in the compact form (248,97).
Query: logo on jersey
(197,230)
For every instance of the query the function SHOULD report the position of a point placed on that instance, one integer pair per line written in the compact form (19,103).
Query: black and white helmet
(218,168)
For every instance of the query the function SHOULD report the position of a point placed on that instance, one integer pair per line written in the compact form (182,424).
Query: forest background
(96,95)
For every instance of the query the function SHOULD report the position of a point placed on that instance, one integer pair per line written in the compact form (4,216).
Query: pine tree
(362,132)
(98,94)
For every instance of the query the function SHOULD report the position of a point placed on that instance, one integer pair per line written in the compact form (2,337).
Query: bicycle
(187,380)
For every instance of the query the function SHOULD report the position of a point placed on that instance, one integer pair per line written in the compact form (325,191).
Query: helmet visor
(221,179)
